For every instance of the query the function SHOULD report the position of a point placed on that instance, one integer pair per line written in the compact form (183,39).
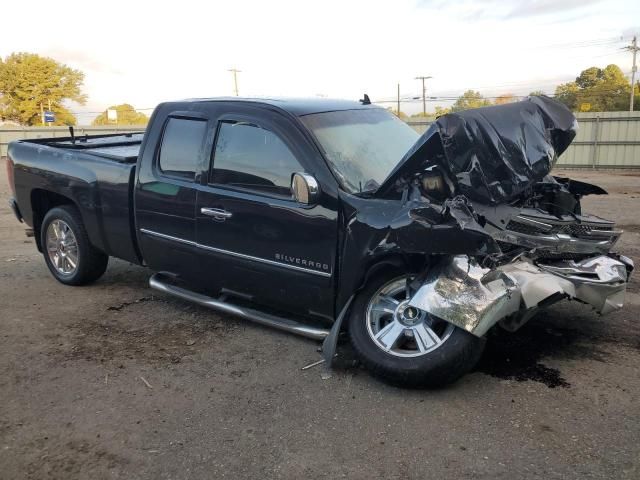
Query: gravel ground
(116,381)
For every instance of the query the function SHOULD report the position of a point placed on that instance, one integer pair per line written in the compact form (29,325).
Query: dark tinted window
(180,149)
(251,157)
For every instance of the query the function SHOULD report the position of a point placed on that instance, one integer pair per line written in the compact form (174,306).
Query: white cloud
(143,53)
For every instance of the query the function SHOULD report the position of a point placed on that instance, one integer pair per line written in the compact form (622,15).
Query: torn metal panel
(467,295)
(417,225)
(475,298)
(602,269)
(580,188)
(599,281)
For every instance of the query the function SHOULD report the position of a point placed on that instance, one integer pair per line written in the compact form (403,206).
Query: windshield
(363,146)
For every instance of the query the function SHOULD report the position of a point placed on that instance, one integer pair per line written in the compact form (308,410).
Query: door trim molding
(191,243)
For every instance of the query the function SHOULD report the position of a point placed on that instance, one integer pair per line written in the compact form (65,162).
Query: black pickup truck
(318,216)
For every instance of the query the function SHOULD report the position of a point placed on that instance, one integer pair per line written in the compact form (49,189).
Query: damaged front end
(475,298)
(486,172)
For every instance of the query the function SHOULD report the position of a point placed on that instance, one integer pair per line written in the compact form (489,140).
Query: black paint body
(304,259)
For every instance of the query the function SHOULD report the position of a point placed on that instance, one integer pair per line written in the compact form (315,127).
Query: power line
(453,95)
(601,93)
(540,85)
(519,85)
(581,44)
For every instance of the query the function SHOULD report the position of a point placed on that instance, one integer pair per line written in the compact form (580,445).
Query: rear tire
(69,255)
(428,352)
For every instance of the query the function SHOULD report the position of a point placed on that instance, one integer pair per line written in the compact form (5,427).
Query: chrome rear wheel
(66,247)
(62,247)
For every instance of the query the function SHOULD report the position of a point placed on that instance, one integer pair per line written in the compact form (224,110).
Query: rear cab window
(251,157)
(181,145)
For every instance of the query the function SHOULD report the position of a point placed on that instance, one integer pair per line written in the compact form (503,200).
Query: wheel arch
(387,264)
(41,202)
(394,263)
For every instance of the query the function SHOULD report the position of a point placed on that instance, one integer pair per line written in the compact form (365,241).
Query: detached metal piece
(602,269)
(476,298)
(599,281)
(314,364)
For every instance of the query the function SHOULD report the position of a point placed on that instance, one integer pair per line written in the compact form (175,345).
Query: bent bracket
(330,343)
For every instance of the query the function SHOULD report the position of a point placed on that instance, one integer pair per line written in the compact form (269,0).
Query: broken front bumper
(475,298)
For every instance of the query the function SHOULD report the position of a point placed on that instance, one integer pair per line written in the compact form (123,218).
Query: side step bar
(162,283)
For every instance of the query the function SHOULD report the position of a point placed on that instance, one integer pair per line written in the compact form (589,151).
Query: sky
(143,53)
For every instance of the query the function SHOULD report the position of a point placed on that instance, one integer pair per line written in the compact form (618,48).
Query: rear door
(165,195)
(257,237)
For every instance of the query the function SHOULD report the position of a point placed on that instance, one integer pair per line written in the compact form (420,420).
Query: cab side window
(181,144)
(251,157)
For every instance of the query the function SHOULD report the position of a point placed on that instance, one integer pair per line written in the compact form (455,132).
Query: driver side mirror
(305,188)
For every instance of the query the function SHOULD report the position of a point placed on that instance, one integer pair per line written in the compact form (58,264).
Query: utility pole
(235,79)
(398,100)
(424,95)
(634,49)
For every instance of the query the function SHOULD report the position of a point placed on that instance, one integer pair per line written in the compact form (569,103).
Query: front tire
(406,346)
(69,255)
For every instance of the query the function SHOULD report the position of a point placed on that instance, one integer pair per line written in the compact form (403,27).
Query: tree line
(31,84)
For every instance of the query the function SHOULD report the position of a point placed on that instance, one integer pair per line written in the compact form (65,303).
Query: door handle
(217,213)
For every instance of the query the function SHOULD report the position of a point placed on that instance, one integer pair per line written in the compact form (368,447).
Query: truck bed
(95,173)
(120,147)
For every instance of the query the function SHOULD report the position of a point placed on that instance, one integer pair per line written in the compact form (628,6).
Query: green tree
(505,98)
(596,89)
(127,115)
(442,111)
(537,93)
(469,99)
(30,84)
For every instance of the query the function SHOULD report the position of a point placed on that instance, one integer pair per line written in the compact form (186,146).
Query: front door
(258,239)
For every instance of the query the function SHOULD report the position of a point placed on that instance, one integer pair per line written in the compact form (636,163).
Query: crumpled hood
(492,154)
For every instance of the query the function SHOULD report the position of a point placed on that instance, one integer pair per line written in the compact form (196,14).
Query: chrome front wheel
(400,329)
(62,247)
(403,345)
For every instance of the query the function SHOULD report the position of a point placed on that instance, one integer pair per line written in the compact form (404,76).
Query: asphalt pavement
(114,380)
